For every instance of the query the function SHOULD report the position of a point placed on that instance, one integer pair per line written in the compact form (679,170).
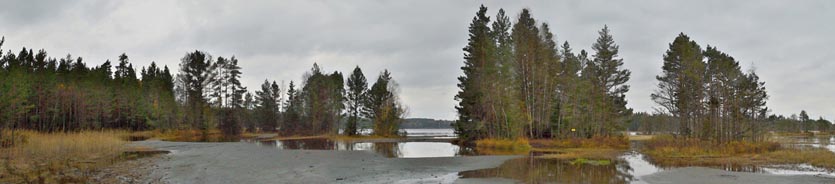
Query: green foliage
(356,97)
(267,108)
(323,101)
(477,53)
(520,83)
(383,106)
(63,94)
(708,94)
(193,82)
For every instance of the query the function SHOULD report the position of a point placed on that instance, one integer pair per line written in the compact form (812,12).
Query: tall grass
(667,150)
(60,157)
(519,144)
(668,146)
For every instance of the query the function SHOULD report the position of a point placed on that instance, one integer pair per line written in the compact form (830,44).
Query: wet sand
(251,163)
(700,175)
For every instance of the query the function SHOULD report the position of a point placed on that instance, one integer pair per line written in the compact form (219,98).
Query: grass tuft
(590,161)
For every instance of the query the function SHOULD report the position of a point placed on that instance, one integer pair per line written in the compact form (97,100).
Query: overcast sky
(788,43)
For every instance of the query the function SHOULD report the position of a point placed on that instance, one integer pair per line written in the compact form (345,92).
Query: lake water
(433,143)
(628,168)
(389,149)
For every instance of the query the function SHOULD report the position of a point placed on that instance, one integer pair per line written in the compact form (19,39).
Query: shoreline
(237,162)
(250,163)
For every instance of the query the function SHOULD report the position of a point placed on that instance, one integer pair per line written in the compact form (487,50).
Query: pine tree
(680,85)
(323,99)
(471,96)
(267,108)
(291,123)
(383,107)
(503,80)
(356,94)
(608,79)
(193,79)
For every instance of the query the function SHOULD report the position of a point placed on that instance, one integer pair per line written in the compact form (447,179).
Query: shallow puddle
(628,168)
(539,170)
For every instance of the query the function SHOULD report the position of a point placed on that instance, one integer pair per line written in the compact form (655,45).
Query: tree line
(800,123)
(519,82)
(646,123)
(704,94)
(50,94)
(709,95)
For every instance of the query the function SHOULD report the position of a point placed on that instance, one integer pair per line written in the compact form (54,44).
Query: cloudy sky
(789,43)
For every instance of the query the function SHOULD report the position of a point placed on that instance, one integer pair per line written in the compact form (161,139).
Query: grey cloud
(789,43)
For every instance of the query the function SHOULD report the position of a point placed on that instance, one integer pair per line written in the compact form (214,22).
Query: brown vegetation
(520,144)
(612,142)
(670,151)
(60,157)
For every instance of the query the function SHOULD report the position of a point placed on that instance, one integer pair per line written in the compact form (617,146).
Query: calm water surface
(628,168)
(432,146)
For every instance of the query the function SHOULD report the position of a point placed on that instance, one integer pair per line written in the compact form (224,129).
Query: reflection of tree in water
(533,170)
(389,149)
(466,150)
(317,144)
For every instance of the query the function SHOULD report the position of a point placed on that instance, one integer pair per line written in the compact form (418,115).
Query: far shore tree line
(659,123)
(48,94)
(518,82)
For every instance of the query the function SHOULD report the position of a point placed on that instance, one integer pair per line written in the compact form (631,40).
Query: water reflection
(639,165)
(538,170)
(804,142)
(388,149)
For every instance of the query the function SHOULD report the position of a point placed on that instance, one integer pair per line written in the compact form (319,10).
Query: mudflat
(251,163)
(191,162)
(699,175)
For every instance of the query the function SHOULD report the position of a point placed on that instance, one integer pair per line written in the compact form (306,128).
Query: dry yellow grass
(60,157)
(818,157)
(519,144)
(613,142)
(640,137)
(669,151)
(282,138)
(580,153)
(362,138)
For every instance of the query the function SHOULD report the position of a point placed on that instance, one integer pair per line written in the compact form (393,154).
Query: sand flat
(251,163)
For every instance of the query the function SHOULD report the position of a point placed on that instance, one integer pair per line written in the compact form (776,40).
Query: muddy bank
(707,175)
(250,163)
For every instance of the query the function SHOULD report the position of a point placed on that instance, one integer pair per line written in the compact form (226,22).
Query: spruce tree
(608,77)
(470,97)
